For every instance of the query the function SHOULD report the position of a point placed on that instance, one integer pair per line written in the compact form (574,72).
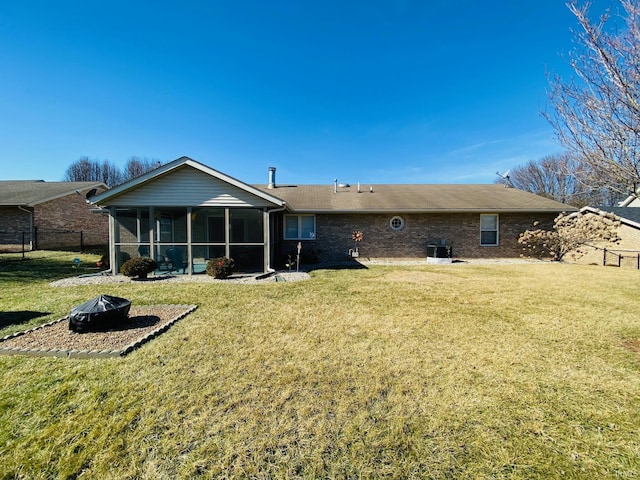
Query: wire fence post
(604,257)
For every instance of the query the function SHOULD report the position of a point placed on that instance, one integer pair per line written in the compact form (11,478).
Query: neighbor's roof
(28,193)
(628,215)
(418,198)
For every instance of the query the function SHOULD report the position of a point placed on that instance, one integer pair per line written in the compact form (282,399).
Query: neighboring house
(626,251)
(52,215)
(208,214)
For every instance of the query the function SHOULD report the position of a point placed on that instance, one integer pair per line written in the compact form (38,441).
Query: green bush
(138,267)
(221,267)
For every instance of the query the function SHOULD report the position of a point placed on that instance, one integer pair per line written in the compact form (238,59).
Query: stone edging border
(63,353)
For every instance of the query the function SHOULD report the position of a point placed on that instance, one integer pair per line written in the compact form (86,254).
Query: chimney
(272,177)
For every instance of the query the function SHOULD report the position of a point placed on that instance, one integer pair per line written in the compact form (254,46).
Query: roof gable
(185,182)
(630,201)
(628,216)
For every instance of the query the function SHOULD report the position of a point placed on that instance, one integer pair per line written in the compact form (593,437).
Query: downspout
(268,234)
(30,212)
(189,240)
(113,258)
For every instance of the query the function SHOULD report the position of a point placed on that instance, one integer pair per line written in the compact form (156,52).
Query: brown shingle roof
(32,192)
(413,198)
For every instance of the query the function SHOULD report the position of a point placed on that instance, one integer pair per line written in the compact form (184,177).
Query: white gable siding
(188,187)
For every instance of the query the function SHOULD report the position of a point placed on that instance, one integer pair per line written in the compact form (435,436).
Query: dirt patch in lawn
(55,338)
(632,344)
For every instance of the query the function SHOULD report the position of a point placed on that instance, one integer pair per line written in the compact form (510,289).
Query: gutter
(443,210)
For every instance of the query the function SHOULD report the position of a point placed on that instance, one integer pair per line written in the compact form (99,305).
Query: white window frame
(497,230)
(298,237)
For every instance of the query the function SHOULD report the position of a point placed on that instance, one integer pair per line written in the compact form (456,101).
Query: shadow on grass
(18,318)
(337,265)
(29,270)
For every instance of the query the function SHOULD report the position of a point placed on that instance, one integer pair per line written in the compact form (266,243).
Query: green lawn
(458,371)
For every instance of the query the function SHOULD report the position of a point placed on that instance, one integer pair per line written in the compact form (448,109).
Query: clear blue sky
(374,91)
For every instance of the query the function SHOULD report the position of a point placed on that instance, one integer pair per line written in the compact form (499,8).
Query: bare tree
(557,177)
(548,177)
(86,170)
(80,171)
(137,166)
(597,113)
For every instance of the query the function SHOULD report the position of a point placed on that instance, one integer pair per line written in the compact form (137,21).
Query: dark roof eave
(433,210)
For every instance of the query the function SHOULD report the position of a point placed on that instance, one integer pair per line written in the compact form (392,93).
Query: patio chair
(175,257)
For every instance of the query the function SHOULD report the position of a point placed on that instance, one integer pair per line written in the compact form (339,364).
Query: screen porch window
(488,230)
(299,227)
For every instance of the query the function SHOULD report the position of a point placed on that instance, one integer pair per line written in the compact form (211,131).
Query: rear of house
(203,213)
(402,221)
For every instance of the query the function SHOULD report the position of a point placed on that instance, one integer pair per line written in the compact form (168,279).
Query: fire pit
(98,314)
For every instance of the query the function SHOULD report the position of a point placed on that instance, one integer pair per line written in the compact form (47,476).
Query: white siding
(188,187)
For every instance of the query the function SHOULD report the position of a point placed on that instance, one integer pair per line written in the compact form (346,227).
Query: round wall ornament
(396,223)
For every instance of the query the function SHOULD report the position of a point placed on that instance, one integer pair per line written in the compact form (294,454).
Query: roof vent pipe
(272,177)
(371,189)
(359,191)
(335,185)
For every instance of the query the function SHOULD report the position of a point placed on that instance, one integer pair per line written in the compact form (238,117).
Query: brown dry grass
(518,371)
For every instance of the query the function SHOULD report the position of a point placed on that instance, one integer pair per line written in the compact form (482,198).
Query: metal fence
(51,239)
(621,258)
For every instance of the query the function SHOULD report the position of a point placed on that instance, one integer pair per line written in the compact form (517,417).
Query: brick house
(401,221)
(205,213)
(50,215)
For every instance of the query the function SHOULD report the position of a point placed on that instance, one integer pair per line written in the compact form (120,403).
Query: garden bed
(55,338)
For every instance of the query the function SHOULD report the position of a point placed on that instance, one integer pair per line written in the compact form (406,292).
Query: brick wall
(69,214)
(462,231)
(13,222)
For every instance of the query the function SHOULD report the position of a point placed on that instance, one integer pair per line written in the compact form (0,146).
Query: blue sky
(372,91)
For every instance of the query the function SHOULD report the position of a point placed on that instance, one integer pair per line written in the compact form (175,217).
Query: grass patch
(459,371)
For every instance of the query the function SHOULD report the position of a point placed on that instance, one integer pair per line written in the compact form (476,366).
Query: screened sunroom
(183,240)
(192,214)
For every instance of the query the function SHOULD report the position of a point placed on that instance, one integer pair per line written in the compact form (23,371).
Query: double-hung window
(488,230)
(299,227)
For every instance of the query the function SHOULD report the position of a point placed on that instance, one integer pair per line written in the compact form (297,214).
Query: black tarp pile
(99,314)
